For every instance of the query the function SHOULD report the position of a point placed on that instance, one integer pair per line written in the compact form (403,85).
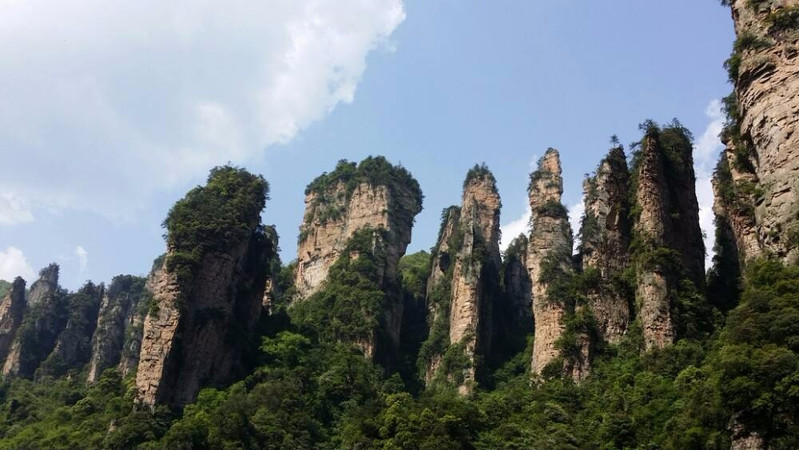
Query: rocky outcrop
(439,292)
(73,346)
(734,202)
(41,326)
(12,309)
(548,259)
(207,294)
(189,334)
(467,258)
(373,193)
(605,240)
(670,243)
(765,71)
(475,277)
(118,325)
(518,287)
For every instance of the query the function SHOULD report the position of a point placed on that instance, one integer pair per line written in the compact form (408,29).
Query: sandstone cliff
(439,292)
(73,347)
(338,204)
(734,199)
(669,247)
(764,68)
(518,287)
(605,239)
(207,295)
(467,258)
(549,259)
(41,326)
(118,325)
(373,194)
(12,309)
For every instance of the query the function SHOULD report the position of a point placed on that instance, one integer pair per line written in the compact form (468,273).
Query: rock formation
(670,244)
(73,347)
(605,239)
(338,204)
(373,194)
(765,71)
(118,325)
(439,292)
(207,294)
(469,242)
(734,202)
(12,309)
(549,258)
(518,286)
(41,326)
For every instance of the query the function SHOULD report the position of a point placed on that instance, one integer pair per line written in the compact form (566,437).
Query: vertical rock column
(548,257)
(767,91)
(652,285)
(118,323)
(12,308)
(439,291)
(41,326)
(475,277)
(670,253)
(605,242)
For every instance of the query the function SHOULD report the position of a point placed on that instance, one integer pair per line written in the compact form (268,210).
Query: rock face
(767,92)
(73,346)
(735,205)
(548,257)
(667,227)
(205,299)
(372,194)
(469,243)
(190,334)
(118,325)
(12,309)
(41,326)
(348,199)
(439,292)
(475,277)
(605,241)
(518,287)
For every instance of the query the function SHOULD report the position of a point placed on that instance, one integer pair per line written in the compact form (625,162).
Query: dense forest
(361,346)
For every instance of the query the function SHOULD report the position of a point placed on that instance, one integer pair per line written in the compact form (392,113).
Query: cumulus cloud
(14,264)
(513,229)
(83,258)
(706,152)
(108,100)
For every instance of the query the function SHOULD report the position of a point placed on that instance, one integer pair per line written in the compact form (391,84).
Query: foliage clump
(213,218)
(347,176)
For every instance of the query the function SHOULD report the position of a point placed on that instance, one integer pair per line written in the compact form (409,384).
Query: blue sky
(112,112)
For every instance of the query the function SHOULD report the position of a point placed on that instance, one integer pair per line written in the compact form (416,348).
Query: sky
(112,110)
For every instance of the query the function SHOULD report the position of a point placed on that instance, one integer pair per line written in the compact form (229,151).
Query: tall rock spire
(208,292)
(466,265)
(12,309)
(669,247)
(765,70)
(605,241)
(549,258)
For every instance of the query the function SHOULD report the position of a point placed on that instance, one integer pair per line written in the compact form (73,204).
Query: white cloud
(575,217)
(83,258)
(706,153)
(107,100)
(14,209)
(14,264)
(513,229)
